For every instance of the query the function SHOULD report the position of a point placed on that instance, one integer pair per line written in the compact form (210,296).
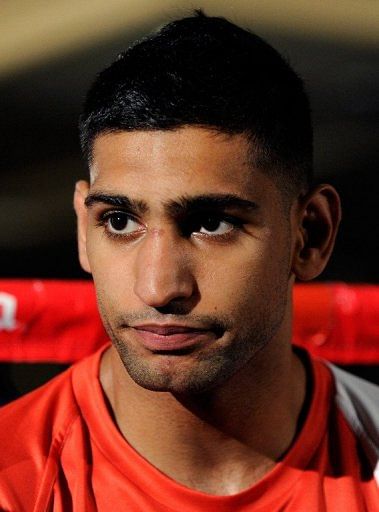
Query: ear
(317,220)
(80,194)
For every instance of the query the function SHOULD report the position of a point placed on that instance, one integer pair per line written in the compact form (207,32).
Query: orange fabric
(61,452)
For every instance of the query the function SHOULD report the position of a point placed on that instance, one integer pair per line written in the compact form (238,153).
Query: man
(199,215)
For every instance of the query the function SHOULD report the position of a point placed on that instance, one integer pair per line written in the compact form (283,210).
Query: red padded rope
(57,321)
(338,322)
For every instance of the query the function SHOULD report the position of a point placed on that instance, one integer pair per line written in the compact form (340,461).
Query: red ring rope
(57,321)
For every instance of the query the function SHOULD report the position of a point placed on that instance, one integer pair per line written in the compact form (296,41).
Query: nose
(162,270)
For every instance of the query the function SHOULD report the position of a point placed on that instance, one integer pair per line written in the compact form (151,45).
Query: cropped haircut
(208,72)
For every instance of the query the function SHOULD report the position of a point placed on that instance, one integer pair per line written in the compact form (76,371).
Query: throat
(215,444)
(227,478)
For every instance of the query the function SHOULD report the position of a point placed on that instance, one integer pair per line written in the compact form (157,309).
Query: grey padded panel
(358,400)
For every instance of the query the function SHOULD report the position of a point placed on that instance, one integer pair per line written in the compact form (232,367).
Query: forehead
(174,162)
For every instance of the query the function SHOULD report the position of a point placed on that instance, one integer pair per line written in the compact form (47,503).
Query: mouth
(171,338)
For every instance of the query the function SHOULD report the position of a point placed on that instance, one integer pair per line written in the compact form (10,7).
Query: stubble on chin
(198,371)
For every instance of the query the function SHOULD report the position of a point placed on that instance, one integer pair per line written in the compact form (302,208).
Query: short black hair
(206,71)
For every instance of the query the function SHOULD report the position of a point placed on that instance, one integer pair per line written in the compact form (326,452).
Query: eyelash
(103,218)
(236,223)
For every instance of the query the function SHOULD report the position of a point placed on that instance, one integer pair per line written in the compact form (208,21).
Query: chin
(180,375)
(189,373)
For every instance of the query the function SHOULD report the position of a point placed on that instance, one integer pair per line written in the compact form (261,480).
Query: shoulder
(35,419)
(32,432)
(43,414)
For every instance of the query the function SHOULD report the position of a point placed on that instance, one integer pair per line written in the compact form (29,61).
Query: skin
(228,407)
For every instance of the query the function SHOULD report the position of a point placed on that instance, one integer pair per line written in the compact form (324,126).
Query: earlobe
(80,194)
(317,224)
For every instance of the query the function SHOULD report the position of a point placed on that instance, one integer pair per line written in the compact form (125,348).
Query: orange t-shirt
(61,452)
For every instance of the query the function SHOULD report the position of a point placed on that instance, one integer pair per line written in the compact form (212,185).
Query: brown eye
(118,221)
(210,225)
(121,223)
(215,226)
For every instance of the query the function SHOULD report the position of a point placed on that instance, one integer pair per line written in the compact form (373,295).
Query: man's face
(190,252)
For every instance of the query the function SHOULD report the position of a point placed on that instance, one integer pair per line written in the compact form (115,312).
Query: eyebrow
(183,205)
(120,201)
(188,204)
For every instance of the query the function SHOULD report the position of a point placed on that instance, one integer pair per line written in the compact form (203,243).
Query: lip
(168,338)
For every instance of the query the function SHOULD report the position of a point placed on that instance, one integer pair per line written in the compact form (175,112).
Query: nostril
(181,306)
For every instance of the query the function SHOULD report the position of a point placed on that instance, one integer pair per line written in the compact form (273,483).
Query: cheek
(112,274)
(245,280)
(228,283)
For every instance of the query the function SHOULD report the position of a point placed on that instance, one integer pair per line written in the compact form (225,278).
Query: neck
(219,442)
